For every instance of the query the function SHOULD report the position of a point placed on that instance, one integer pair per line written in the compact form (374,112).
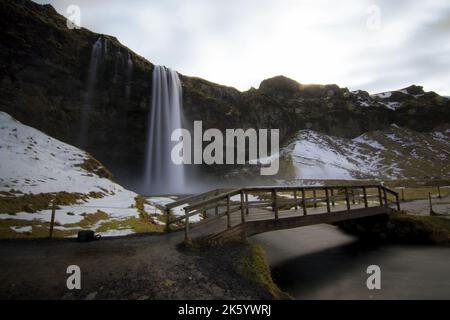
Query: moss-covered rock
(401,227)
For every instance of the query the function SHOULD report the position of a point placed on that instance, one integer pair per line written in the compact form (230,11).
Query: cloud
(239,43)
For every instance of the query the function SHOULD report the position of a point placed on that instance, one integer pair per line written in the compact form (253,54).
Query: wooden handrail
(217,199)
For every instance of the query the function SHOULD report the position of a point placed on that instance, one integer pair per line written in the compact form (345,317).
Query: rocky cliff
(44,73)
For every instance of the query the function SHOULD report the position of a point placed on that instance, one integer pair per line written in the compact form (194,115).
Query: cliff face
(44,75)
(44,70)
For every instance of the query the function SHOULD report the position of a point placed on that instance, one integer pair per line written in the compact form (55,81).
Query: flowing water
(161,175)
(129,74)
(96,55)
(321,262)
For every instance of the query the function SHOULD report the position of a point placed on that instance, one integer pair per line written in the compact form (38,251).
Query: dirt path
(135,267)
(422,207)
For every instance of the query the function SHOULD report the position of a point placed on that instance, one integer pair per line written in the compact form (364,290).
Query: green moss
(138,225)
(36,202)
(39,229)
(401,227)
(90,164)
(428,229)
(253,266)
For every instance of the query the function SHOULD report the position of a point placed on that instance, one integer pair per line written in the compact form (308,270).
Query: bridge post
(366,204)
(228,212)
(380,199)
(353,196)
(295,199)
(303,202)
(186,228)
(275,202)
(327,197)
(242,207)
(167,211)
(314,198)
(332,196)
(398,202)
(347,199)
(385,197)
(246,203)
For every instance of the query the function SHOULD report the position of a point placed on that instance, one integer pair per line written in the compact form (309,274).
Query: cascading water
(96,55)
(129,74)
(162,176)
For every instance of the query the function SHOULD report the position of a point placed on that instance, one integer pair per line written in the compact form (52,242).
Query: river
(321,262)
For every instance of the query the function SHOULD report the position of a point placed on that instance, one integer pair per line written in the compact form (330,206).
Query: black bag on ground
(87,235)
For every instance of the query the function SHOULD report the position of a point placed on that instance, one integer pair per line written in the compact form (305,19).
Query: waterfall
(161,175)
(96,55)
(129,73)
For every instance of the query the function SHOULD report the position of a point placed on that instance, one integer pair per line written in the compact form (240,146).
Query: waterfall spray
(162,176)
(96,54)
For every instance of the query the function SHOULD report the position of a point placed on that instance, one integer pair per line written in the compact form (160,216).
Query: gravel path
(134,267)
(422,207)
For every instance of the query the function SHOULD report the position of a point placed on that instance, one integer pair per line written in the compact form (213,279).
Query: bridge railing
(224,202)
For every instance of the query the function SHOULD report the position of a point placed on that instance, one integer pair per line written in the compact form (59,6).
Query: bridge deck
(231,213)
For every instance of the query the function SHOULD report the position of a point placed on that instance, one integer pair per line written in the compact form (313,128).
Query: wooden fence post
(366,204)
(295,199)
(228,212)
(347,199)
(439,192)
(167,220)
(327,199)
(431,205)
(246,202)
(275,203)
(303,202)
(186,228)
(314,198)
(52,221)
(332,196)
(380,199)
(385,197)
(242,207)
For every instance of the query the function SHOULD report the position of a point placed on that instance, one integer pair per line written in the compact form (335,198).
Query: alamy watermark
(213,153)
(73,17)
(373,21)
(374,280)
(74,280)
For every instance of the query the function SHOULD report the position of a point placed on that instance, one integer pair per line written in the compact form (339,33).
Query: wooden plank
(260,226)
(214,199)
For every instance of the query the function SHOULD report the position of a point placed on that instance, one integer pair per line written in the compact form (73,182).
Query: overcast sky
(372,45)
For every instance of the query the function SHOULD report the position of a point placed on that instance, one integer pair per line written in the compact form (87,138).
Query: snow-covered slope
(33,164)
(389,154)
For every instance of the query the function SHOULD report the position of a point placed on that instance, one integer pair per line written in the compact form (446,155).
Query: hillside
(44,75)
(392,153)
(35,169)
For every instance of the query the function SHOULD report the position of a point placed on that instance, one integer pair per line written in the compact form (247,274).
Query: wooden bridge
(249,211)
